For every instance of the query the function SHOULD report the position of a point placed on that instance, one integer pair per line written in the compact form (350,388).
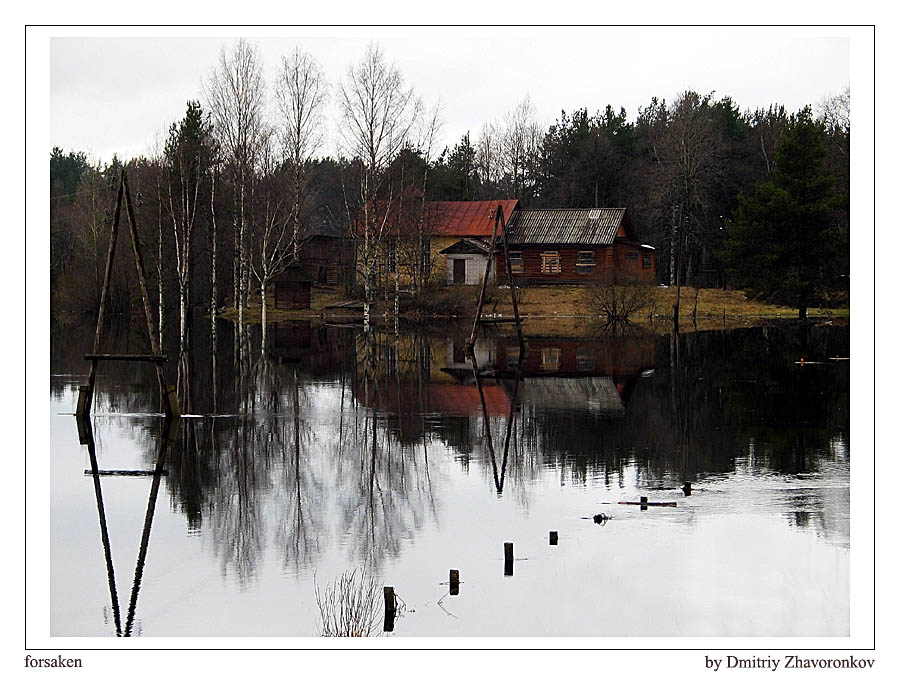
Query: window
(516,262)
(426,258)
(585,358)
(459,351)
(631,256)
(648,259)
(586,264)
(550,262)
(550,358)
(512,358)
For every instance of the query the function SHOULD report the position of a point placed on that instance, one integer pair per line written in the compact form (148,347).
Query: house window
(550,262)
(516,262)
(512,358)
(648,259)
(550,358)
(631,256)
(426,258)
(586,263)
(585,358)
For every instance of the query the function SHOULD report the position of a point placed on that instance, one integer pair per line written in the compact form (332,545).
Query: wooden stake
(454,582)
(507,559)
(390,608)
(554,537)
(643,503)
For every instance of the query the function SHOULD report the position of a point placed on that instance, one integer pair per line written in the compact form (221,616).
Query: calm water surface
(334,451)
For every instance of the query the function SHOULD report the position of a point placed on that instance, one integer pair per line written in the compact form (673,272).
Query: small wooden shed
(293,288)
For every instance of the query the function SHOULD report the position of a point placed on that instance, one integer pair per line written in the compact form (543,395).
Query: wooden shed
(576,246)
(293,288)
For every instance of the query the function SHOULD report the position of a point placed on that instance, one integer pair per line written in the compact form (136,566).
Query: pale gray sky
(113,94)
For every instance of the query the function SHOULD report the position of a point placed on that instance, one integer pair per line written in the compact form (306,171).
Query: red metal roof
(447,399)
(448,219)
(459,399)
(467,219)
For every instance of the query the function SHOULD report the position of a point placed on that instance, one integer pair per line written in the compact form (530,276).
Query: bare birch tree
(378,112)
(301,93)
(487,157)
(186,165)
(235,94)
(271,248)
(520,139)
(419,224)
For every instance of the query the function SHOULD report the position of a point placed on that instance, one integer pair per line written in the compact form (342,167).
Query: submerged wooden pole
(507,559)
(390,608)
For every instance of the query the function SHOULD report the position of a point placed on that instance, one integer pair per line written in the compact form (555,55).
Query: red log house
(575,246)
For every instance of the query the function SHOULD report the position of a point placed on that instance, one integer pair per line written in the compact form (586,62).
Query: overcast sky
(115,94)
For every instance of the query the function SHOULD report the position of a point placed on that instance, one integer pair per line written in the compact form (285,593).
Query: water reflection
(166,439)
(334,448)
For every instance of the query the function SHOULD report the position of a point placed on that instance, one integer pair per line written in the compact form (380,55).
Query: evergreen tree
(786,242)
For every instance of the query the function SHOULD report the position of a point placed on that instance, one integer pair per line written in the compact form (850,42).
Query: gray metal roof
(595,227)
(597,394)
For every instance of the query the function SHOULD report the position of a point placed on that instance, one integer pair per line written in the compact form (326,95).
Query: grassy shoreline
(549,304)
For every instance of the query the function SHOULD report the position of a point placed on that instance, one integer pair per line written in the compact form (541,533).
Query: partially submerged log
(156,358)
(650,503)
(126,472)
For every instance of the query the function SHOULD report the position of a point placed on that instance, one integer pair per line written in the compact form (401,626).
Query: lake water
(392,454)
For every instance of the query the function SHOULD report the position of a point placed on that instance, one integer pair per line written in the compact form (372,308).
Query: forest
(748,199)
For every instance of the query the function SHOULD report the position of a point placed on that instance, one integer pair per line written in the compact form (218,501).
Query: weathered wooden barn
(293,288)
(576,246)
(325,255)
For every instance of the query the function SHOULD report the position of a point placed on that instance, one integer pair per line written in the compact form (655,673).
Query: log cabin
(576,246)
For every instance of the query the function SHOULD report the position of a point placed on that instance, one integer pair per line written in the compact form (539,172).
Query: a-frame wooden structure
(499,224)
(86,392)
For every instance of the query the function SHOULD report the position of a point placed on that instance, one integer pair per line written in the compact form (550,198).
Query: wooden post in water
(390,608)
(507,559)
(643,503)
(454,582)
(554,537)
(686,488)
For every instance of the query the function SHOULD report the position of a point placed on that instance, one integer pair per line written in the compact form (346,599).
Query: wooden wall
(611,264)
(292,289)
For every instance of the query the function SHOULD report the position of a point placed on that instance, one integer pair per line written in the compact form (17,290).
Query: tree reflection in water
(329,440)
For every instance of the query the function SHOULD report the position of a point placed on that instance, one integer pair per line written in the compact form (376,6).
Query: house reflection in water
(595,375)
(435,378)
(319,349)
